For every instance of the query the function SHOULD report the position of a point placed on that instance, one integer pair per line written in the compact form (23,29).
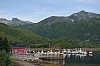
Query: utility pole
(49,46)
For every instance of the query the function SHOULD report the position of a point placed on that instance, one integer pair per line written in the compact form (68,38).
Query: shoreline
(44,63)
(33,63)
(91,49)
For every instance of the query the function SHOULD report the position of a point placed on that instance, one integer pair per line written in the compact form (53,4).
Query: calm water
(79,60)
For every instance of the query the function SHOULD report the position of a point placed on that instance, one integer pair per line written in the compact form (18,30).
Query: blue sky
(37,10)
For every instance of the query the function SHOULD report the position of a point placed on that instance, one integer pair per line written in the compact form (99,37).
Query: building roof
(18,46)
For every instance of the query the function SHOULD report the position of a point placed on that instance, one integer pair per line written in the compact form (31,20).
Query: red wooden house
(19,49)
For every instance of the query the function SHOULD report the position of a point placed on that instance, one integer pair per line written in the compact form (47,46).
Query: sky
(37,10)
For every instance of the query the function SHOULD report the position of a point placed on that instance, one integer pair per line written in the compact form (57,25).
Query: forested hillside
(82,26)
(19,36)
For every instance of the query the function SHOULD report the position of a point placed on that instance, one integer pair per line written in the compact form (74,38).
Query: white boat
(51,54)
(90,52)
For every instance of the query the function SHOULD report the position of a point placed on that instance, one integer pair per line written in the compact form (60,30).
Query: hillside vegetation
(19,36)
(81,26)
(80,29)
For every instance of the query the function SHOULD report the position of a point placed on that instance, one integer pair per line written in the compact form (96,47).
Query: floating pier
(58,53)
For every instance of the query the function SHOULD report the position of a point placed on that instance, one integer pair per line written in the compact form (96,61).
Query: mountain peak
(15,19)
(3,19)
(83,15)
(82,11)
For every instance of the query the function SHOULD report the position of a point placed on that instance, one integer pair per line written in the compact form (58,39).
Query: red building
(19,49)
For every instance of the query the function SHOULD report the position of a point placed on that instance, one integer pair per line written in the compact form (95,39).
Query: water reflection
(83,60)
(78,55)
(79,60)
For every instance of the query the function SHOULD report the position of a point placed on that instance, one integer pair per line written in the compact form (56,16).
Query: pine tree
(1,43)
(4,45)
(4,52)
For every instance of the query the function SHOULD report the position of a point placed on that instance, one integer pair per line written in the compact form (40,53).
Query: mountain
(83,26)
(83,15)
(20,36)
(14,22)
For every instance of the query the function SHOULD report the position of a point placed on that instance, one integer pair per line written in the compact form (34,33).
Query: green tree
(4,45)
(4,59)
(1,43)
(4,52)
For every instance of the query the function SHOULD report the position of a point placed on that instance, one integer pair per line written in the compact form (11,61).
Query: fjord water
(79,60)
(82,60)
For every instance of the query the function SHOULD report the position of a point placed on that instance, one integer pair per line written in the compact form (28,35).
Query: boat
(51,55)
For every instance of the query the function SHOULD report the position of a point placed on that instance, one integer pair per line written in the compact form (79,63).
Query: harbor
(52,56)
(47,53)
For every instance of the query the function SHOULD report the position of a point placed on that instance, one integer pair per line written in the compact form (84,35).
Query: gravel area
(23,63)
(33,63)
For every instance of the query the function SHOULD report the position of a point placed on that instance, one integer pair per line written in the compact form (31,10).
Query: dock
(49,54)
